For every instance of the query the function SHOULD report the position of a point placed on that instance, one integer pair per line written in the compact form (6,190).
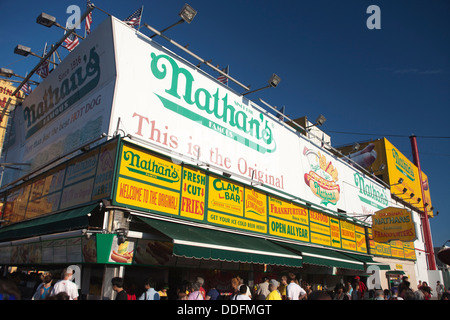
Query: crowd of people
(287,287)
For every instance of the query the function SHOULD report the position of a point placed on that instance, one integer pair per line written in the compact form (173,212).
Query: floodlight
(46,20)
(274,80)
(22,50)
(7,73)
(187,13)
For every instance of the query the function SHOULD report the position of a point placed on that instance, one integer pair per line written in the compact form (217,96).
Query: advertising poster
(69,108)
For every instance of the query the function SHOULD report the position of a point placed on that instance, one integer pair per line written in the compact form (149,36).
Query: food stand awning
(325,257)
(368,260)
(201,243)
(67,220)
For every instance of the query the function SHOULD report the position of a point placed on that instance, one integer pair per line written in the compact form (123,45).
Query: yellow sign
(193,190)
(225,196)
(398,167)
(285,229)
(393,224)
(335,232)
(235,222)
(149,168)
(255,205)
(286,210)
(142,195)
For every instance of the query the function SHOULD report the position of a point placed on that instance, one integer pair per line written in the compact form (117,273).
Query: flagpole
(140,18)
(66,35)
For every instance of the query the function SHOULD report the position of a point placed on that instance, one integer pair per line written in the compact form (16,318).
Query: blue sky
(392,82)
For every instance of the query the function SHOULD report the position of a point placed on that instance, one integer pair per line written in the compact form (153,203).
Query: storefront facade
(186,178)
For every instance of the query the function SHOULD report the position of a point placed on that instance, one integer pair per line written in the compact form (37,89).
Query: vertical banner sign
(193,194)
(255,205)
(320,228)
(335,233)
(348,236)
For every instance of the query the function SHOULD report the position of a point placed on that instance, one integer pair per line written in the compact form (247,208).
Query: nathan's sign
(56,100)
(393,224)
(371,193)
(213,110)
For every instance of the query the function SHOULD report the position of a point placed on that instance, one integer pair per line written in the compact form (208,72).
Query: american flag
(135,19)
(88,18)
(43,70)
(71,42)
(26,88)
(223,78)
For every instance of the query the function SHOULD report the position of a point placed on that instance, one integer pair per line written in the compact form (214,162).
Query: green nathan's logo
(402,165)
(370,193)
(55,101)
(253,132)
(150,168)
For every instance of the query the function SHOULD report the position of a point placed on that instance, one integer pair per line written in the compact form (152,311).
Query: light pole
(25,51)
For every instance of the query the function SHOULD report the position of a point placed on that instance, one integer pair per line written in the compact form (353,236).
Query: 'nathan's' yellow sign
(393,224)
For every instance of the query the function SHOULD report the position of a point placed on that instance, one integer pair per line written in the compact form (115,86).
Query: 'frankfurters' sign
(393,224)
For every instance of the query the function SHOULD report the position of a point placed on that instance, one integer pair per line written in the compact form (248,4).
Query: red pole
(425,223)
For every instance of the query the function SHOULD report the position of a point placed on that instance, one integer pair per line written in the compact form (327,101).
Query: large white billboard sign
(119,76)
(165,100)
(69,108)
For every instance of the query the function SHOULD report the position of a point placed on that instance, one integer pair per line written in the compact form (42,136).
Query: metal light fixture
(400,181)
(418,200)
(274,80)
(7,73)
(25,51)
(412,195)
(187,13)
(46,20)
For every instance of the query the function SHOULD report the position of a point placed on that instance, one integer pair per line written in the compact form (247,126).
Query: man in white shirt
(293,290)
(66,285)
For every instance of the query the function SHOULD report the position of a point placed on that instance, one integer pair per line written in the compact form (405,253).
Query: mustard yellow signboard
(288,211)
(320,228)
(225,196)
(393,224)
(255,205)
(147,167)
(397,167)
(193,194)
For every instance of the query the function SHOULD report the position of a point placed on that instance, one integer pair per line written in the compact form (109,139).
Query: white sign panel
(70,107)
(165,100)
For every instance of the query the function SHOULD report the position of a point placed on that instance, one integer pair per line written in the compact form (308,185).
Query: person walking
(242,295)
(439,289)
(293,290)
(196,294)
(263,289)
(150,293)
(117,286)
(273,289)
(66,285)
(44,289)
